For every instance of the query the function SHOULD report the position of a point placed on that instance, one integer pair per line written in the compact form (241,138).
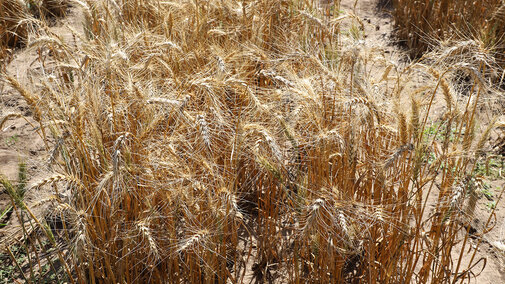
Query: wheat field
(223,141)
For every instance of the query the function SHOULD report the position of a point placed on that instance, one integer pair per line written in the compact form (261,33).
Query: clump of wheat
(210,141)
(14,23)
(420,24)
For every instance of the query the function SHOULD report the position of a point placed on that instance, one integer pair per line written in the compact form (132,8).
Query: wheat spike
(414,119)
(314,214)
(402,125)
(194,241)
(203,128)
(30,99)
(7,117)
(457,194)
(143,227)
(174,103)
(446,88)
(482,140)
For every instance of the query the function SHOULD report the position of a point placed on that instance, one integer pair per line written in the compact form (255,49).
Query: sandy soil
(20,139)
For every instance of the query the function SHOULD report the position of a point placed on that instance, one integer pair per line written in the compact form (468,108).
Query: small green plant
(6,269)
(4,215)
(16,192)
(491,205)
(491,167)
(487,192)
(439,130)
(12,140)
(432,129)
(19,260)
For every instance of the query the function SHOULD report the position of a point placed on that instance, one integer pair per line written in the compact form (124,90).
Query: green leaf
(6,211)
